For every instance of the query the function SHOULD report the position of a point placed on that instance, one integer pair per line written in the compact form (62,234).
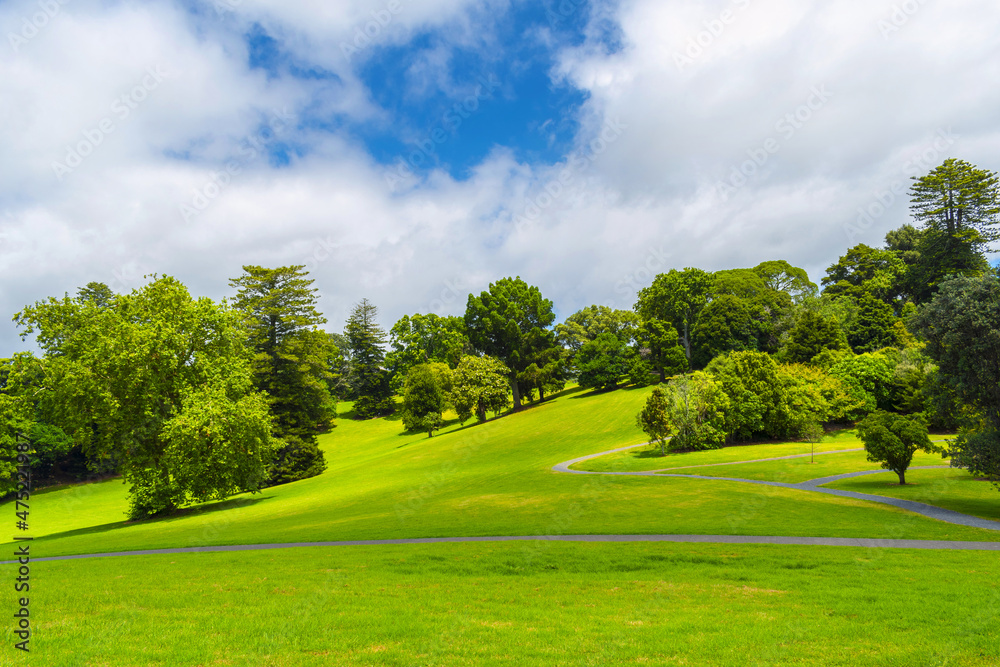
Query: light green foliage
(420,339)
(654,419)
(292,364)
(15,422)
(510,322)
(162,381)
(424,397)
(370,379)
(604,361)
(891,440)
(586,325)
(868,377)
(781,276)
(677,297)
(962,328)
(697,407)
(811,335)
(480,384)
(810,395)
(750,381)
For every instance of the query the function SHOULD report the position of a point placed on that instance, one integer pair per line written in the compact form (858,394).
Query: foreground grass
(537,603)
(488,479)
(949,488)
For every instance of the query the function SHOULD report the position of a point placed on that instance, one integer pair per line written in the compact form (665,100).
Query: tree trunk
(517,394)
(687,344)
(541,393)
(902,477)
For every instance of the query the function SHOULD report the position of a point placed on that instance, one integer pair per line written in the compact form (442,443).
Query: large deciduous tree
(677,297)
(161,380)
(508,322)
(293,363)
(370,377)
(891,440)
(480,384)
(421,339)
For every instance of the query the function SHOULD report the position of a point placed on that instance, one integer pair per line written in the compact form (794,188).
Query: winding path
(939,513)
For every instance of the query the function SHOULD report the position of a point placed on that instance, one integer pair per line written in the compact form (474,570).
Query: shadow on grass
(183,513)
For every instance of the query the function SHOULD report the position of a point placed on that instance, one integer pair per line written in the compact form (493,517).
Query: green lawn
(519,604)
(489,479)
(793,471)
(643,459)
(953,489)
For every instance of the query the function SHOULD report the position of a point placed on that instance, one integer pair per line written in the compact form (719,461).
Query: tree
(677,297)
(962,328)
(424,395)
(587,324)
(480,384)
(751,383)
(812,334)
(866,269)
(891,440)
(292,364)
(16,421)
(781,276)
(604,361)
(420,339)
(506,322)
(162,381)
(958,205)
(875,326)
(869,379)
(696,407)
(725,324)
(654,419)
(659,343)
(371,379)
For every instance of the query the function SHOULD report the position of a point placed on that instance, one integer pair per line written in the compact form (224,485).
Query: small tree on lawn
(654,419)
(423,400)
(891,440)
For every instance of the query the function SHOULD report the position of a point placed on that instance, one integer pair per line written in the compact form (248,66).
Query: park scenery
(517,333)
(739,464)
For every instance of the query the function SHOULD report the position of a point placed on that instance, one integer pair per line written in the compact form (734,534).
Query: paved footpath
(699,539)
(814,485)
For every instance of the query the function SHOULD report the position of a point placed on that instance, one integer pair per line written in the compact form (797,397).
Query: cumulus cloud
(714,134)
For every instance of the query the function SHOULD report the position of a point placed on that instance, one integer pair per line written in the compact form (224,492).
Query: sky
(414,151)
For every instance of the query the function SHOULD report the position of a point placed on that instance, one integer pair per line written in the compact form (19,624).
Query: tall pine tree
(369,376)
(292,363)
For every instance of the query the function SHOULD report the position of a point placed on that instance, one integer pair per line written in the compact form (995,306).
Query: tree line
(192,400)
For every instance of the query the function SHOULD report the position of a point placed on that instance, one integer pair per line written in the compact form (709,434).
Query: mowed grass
(949,488)
(485,479)
(793,471)
(645,459)
(534,603)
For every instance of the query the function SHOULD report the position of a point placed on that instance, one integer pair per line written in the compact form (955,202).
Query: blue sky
(584,145)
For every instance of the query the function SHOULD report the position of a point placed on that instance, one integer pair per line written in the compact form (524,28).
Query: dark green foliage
(962,328)
(891,440)
(866,270)
(874,327)
(296,458)
(293,364)
(587,324)
(423,399)
(659,348)
(726,324)
(604,361)
(508,322)
(677,297)
(813,334)
(370,378)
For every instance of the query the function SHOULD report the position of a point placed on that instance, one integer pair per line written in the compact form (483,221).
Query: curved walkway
(699,539)
(939,513)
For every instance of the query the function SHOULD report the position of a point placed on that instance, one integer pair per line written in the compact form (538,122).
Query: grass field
(533,603)
(489,479)
(522,604)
